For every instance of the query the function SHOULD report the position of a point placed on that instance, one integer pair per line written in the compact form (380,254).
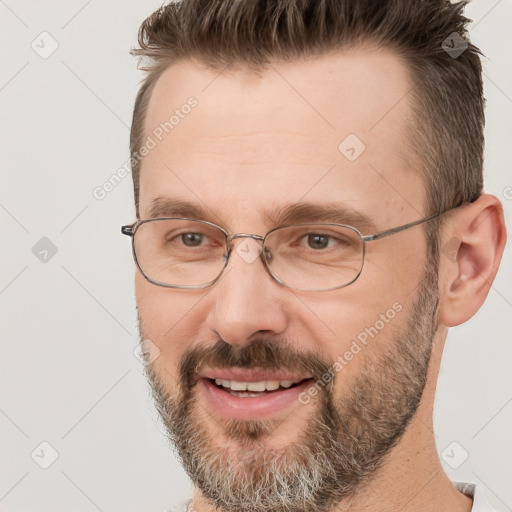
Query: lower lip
(250,408)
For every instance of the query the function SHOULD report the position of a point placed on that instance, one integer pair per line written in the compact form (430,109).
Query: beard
(344,441)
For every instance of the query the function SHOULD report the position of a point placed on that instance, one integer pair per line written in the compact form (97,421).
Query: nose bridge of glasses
(248,250)
(234,236)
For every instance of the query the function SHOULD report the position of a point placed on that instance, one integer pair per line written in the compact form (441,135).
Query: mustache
(260,353)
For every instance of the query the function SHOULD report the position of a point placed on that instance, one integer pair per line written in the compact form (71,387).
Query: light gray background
(68,373)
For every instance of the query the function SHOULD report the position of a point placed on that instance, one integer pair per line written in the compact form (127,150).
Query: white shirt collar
(480,502)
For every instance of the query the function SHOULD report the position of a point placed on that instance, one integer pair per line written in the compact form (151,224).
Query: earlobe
(471,252)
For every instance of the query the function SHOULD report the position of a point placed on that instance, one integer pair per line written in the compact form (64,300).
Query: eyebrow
(294,213)
(337,213)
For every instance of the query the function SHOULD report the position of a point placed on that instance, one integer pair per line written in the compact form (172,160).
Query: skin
(255,142)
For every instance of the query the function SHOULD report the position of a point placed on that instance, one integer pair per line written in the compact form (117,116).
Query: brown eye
(318,241)
(192,239)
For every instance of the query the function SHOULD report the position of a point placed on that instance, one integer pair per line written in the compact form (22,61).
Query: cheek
(365,319)
(362,335)
(360,321)
(164,316)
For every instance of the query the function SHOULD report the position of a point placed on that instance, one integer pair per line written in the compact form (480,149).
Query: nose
(246,301)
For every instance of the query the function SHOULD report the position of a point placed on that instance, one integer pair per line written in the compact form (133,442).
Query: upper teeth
(268,385)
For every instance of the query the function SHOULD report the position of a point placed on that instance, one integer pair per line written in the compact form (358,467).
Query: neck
(411,479)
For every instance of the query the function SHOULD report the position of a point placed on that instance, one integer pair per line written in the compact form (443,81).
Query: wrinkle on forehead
(276,134)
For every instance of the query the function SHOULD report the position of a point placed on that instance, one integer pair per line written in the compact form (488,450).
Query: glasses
(192,254)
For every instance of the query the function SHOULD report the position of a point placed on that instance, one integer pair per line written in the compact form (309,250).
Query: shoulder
(480,502)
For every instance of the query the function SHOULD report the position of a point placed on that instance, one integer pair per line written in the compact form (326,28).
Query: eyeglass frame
(131,229)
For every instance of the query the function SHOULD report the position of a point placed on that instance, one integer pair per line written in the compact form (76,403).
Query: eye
(317,241)
(191,239)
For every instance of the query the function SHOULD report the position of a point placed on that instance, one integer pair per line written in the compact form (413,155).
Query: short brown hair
(448,103)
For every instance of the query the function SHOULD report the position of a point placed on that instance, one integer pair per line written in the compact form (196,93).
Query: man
(311,221)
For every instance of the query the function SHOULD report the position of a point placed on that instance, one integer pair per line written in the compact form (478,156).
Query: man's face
(253,146)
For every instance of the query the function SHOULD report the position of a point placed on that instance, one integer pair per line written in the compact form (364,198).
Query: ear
(471,248)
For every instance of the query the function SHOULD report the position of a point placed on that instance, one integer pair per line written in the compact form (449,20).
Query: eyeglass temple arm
(392,231)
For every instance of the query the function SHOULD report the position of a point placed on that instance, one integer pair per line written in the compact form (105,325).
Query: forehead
(285,133)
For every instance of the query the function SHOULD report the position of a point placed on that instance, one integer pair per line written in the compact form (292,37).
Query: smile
(254,389)
(250,395)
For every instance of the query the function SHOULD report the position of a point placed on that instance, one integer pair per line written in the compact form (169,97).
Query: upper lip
(240,375)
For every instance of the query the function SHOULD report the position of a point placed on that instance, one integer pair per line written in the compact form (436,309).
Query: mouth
(251,395)
(254,389)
